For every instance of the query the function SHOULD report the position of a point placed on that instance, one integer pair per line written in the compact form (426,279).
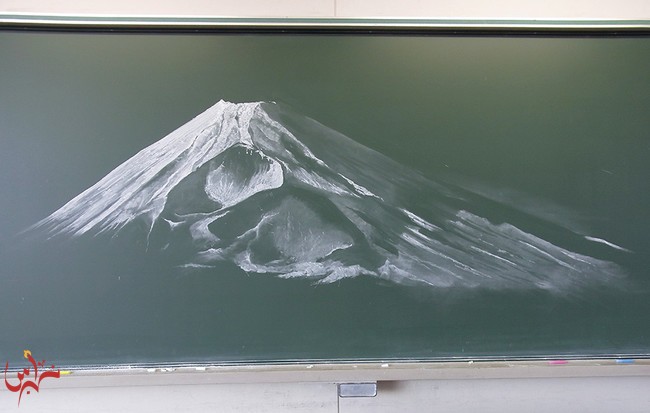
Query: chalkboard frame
(376,26)
(382,27)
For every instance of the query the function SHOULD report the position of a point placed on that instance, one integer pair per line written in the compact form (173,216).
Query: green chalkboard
(270,197)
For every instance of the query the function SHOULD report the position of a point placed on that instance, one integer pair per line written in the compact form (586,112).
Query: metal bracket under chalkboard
(357,389)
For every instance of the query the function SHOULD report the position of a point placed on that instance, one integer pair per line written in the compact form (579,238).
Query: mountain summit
(274,192)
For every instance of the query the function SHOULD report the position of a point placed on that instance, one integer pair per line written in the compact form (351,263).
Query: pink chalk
(555,362)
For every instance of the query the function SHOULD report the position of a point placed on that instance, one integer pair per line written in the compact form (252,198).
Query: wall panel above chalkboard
(265,197)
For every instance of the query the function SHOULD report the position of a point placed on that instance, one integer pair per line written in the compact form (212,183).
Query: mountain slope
(235,184)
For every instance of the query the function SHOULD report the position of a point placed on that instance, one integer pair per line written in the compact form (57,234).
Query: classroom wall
(474,9)
(627,394)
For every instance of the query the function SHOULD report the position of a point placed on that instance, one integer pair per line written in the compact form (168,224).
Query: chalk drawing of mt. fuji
(271,191)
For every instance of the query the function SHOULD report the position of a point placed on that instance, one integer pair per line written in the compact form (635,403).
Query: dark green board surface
(545,135)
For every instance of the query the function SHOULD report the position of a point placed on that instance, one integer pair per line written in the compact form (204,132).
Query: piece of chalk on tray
(556,362)
(624,361)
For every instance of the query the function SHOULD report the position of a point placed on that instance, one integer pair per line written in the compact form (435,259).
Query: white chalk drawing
(238,184)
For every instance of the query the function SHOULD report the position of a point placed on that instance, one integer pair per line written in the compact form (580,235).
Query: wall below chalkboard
(595,386)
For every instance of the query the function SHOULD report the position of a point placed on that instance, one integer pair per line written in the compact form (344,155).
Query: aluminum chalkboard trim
(29,21)
(120,376)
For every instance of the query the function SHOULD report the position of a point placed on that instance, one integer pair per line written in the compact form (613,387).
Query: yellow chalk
(65,372)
